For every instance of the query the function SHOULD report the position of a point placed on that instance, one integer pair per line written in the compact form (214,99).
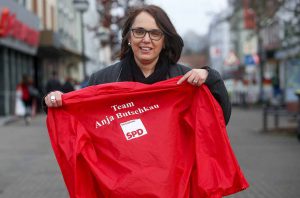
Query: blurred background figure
(77,85)
(19,105)
(85,81)
(276,99)
(23,93)
(35,96)
(53,83)
(68,85)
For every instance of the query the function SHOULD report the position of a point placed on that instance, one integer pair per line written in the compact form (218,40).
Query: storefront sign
(251,59)
(10,26)
(231,60)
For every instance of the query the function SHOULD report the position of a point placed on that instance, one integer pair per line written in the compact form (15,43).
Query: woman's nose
(147,37)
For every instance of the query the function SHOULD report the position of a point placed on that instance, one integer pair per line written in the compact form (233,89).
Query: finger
(200,82)
(184,77)
(58,98)
(50,101)
(55,104)
(59,101)
(193,79)
(203,73)
(47,101)
(196,83)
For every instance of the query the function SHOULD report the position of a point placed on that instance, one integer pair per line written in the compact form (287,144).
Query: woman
(24,92)
(150,50)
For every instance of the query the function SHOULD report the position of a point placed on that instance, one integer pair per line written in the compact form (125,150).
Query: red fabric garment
(132,140)
(25,91)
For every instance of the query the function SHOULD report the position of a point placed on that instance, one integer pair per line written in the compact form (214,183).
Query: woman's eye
(140,31)
(155,33)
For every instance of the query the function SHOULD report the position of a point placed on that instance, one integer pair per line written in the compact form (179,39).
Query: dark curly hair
(173,43)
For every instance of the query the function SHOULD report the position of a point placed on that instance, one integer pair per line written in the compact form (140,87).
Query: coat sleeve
(107,75)
(91,80)
(217,87)
(218,173)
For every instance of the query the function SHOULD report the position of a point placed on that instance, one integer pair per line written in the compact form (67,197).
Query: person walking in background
(53,83)
(68,85)
(85,82)
(277,95)
(35,96)
(24,94)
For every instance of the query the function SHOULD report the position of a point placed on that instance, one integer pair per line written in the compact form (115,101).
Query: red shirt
(129,140)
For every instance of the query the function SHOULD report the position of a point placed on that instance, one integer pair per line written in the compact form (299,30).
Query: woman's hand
(195,77)
(53,99)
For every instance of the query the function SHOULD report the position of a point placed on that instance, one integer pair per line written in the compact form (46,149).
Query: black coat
(214,82)
(53,85)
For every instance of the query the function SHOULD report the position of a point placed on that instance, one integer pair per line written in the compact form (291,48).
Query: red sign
(249,16)
(11,26)
(232,59)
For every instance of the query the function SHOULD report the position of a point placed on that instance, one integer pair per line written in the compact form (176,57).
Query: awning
(288,52)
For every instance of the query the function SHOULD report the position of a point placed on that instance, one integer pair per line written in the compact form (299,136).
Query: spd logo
(133,129)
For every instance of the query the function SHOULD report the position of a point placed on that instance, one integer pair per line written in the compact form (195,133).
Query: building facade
(19,38)
(288,54)
(60,47)
(219,41)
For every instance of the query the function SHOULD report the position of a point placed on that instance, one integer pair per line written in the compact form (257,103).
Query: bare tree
(291,18)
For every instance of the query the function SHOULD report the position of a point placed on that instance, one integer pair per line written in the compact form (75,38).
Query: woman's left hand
(195,77)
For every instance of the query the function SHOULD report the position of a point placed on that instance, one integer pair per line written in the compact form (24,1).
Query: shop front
(292,83)
(290,69)
(19,39)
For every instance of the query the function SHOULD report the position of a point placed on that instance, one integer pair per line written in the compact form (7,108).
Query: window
(21,2)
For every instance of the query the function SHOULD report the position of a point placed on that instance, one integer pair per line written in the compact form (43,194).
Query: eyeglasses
(154,34)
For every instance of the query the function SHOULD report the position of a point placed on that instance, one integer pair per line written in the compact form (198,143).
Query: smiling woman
(150,50)
(146,50)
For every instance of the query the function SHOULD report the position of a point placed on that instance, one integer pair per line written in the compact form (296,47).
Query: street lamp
(82,6)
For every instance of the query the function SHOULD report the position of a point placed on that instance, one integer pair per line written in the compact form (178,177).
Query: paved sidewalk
(4,120)
(28,168)
(270,161)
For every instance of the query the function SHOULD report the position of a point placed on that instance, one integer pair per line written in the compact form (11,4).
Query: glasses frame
(147,31)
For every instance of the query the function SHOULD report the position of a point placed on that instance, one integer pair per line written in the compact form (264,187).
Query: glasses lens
(155,34)
(139,33)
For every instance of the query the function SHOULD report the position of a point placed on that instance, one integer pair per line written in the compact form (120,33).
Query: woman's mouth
(145,49)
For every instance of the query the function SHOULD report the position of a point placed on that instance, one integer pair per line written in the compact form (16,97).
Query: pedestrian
(85,82)
(23,89)
(35,96)
(150,50)
(53,84)
(277,96)
(68,85)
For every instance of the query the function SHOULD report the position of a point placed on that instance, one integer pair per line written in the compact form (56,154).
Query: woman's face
(146,49)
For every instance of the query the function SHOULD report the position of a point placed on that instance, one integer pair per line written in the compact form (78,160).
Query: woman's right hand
(53,99)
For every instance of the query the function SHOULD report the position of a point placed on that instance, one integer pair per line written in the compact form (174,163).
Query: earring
(129,44)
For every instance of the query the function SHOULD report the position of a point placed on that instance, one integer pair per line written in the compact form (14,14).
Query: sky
(192,15)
